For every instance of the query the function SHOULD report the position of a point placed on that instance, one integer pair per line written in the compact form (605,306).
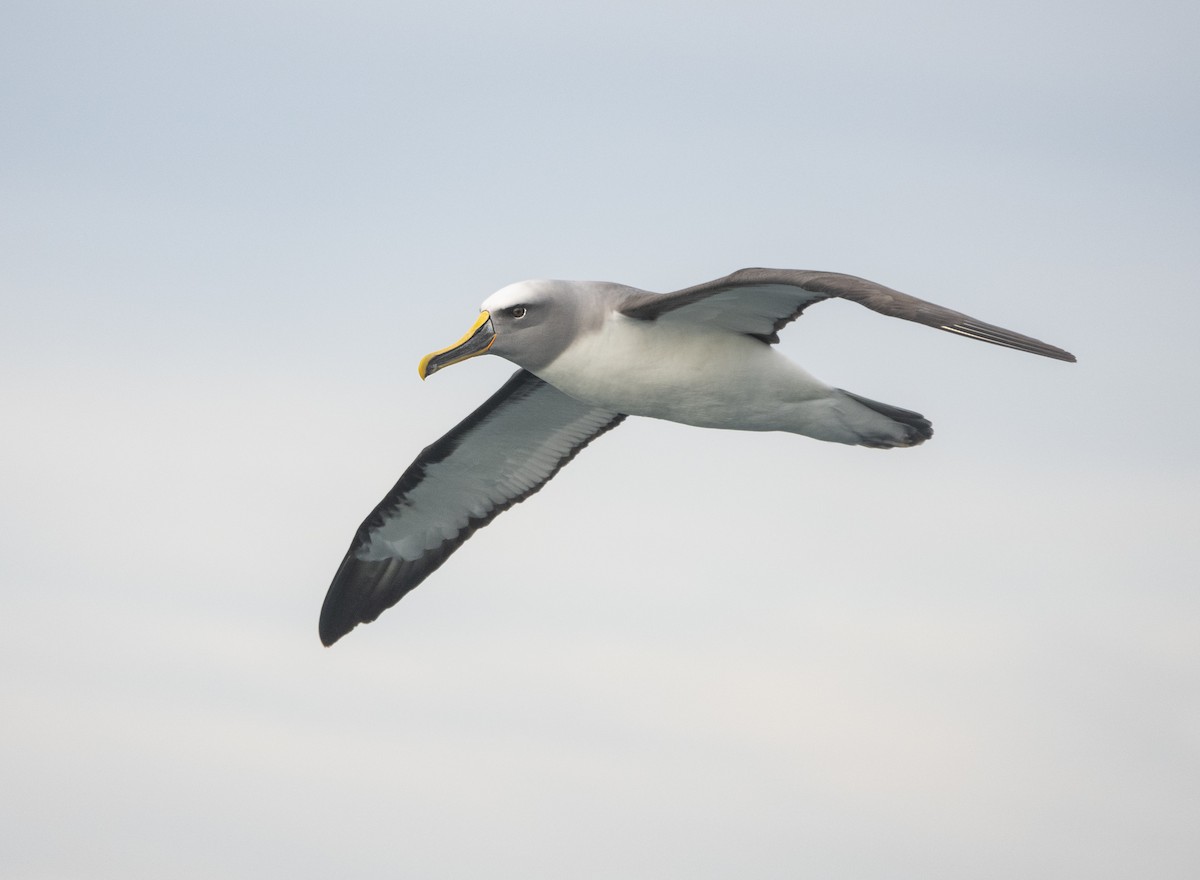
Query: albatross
(591,353)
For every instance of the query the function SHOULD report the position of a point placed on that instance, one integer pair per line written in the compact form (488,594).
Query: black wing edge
(362,590)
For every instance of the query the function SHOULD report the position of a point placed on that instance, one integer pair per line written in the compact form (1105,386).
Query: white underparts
(710,378)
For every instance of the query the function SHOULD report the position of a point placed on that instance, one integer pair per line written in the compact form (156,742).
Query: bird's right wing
(498,456)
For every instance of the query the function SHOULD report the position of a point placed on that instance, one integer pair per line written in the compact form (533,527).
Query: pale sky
(229,231)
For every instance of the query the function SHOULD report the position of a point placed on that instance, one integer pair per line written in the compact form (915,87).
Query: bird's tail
(902,428)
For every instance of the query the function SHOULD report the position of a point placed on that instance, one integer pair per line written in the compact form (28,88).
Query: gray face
(535,321)
(531,323)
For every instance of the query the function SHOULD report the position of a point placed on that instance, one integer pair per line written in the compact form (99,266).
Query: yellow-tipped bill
(477,341)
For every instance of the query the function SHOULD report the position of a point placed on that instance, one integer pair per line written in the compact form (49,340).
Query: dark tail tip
(920,428)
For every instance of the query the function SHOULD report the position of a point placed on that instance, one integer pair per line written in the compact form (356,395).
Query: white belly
(686,373)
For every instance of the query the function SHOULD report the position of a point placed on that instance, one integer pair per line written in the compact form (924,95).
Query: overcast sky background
(228,232)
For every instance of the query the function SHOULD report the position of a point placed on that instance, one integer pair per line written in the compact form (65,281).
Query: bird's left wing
(760,302)
(498,456)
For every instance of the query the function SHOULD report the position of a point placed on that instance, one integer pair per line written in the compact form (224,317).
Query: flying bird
(591,353)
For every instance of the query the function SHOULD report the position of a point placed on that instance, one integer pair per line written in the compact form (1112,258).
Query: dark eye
(517,311)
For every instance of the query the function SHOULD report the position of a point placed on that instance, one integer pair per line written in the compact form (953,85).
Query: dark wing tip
(352,597)
(363,589)
(1062,355)
(973,329)
(360,592)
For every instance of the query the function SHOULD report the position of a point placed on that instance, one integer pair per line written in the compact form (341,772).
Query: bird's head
(528,323)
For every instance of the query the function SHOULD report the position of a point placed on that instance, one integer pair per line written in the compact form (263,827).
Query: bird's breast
(690,374)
